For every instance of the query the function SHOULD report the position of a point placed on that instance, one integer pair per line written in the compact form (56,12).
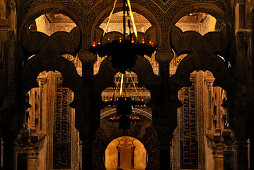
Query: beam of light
(109,18)
(121,88)
(132,19)
(132,79)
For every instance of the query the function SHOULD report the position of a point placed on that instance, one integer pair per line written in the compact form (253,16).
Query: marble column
(10,154)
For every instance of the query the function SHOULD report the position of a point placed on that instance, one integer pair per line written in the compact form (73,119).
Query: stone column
(87,155)
(165,161)
(252,153)
(164,139)
(218,157)
(0,153)
(32,156)
(10,154)
(165,109)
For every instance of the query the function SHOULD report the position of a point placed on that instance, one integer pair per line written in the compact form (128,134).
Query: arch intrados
(48,8)
(207,8)
(29,74)
(135,8)
(215,82)
(107,72)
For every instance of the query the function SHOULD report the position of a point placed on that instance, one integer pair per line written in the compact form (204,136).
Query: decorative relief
(203,54)
(62,130)
(188,131)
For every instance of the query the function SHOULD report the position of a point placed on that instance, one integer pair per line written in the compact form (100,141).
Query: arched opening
(50,23)
(126,153)
(126,86)
(202,121)
(199,22)
(202,125)
(50,123)
(146,32)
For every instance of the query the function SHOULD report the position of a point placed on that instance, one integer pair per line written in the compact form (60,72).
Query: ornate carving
(48,51)
(203,54)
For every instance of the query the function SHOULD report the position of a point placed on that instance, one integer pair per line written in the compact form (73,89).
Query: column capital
(218,150)
(86,56)
(164,55)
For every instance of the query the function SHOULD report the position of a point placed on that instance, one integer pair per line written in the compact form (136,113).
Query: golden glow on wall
(50,23)
(126,153)
(199,22)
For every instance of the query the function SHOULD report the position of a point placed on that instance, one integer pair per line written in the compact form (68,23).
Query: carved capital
(218,150)
(86,56)
(164,56)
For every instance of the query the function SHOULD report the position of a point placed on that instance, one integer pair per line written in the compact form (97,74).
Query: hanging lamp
(123,52)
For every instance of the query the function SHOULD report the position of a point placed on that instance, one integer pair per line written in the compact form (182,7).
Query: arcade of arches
(197,88)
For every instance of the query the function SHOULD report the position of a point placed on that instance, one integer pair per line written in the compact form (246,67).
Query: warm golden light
(121,152)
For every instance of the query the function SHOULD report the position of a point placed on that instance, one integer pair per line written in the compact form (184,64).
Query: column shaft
(219,163)
(32,163)
(165,161)
(87,157)
(252,154)
(1,154)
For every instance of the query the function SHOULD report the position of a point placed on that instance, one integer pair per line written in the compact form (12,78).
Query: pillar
(164,135)
(241,154)
(165,161)
(164,121)
(1,154)
(87,156)
(252,153)
(32,159)
(219,164)
(218,159)
(10,154)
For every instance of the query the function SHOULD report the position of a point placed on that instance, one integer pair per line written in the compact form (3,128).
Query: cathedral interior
(185,105)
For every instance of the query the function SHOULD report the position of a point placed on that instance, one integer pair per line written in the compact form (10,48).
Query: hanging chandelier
(124,104)
(124,107)
(123,52)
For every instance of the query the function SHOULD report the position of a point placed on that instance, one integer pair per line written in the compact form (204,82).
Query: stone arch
(34,67)
(208,8)
(203,54)
(211,63)
(143,69)
(149,140)
(35,12)
(135,8)
(220,11)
